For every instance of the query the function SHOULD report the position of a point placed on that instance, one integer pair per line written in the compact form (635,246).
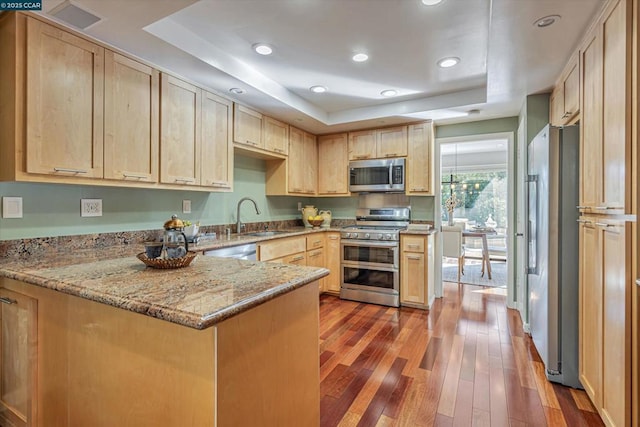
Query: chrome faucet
(239,224)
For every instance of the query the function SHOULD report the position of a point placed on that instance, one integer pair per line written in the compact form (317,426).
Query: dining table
(481,233)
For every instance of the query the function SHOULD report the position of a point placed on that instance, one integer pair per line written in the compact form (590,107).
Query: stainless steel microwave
(379,175)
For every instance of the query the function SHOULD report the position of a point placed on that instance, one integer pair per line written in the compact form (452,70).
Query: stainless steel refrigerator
(553,164)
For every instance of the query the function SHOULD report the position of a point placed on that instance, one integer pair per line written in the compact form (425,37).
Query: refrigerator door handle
(534,200)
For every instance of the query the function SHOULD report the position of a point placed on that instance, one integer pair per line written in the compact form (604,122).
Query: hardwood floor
(465,362)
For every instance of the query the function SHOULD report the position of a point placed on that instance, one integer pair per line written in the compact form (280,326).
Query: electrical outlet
(299,206)
(90,207)
(186,206)
(12,207)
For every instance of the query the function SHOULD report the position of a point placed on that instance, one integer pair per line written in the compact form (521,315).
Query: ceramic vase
(326,216)
(307,211)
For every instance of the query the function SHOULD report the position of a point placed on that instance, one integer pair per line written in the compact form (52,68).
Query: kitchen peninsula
(102,340)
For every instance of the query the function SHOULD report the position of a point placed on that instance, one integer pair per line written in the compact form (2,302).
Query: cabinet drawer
(413,244)
(315,241)
(298,259)
(281,247)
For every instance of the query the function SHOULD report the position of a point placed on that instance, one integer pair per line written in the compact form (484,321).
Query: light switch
(186,206)
(12,207)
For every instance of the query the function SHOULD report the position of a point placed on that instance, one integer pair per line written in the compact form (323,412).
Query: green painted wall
(535,112)
(508,124)
(54,210)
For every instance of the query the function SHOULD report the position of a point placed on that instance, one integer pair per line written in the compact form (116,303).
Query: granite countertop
(206,292)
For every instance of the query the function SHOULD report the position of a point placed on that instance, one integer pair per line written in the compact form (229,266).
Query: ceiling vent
(74,15)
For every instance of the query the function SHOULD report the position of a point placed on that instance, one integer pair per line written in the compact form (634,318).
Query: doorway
(476,177)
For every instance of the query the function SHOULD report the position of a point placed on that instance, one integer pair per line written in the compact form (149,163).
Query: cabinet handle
(638,282)
(583,221)
(69,170)
(413,257)
(361,157)
(418,189)
(314,255)
(332,191)
(278,150)
(391,155)
(6,300)
(219,183)
(186,180)
(333,237)
(582,207)
(602,224)
(604,208)
(297,190)
(130,175)
(251,142)
(298,258)
(411,245)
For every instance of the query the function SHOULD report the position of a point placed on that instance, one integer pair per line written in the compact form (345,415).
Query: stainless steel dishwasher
(246,251)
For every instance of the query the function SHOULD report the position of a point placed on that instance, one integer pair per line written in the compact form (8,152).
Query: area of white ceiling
(503,55)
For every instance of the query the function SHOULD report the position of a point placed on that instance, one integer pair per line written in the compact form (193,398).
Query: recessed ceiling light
(236,90)
(389,93)
(360,57)
(448,62)
(262,48)
(546,21)
(318,89)
(431,2)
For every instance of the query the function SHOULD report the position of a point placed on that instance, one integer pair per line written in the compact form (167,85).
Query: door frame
(511,191)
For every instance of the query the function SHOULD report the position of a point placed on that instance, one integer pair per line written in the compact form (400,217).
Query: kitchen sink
(266,233)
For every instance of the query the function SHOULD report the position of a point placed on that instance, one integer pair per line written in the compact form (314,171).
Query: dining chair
(452,246)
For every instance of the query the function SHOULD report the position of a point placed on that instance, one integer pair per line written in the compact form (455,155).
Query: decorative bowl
(315,222)
(167,263)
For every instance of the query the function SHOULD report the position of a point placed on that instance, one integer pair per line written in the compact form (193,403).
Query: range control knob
(380,237)
(367,236)
(387,236)
(347,235)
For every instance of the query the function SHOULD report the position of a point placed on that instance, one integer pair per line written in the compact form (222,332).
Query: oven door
(373,279)
(365,253)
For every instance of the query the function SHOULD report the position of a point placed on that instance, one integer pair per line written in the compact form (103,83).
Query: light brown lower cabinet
(416,271)
(316,258)
(605,317)
(102,366)
(18,359)
(333,258)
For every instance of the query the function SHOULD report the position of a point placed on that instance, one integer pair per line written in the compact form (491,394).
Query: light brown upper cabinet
(247,126)
(180,132)
(565,98)
(64,104)
(607,184)
(275,135)
(419,173)
(333,165)
(303,162)
(217,144)
(131,123)
(378,143)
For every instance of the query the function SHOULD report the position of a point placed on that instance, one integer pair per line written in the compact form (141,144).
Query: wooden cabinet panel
(216,142)
(131,123)
(333,165)
(391,142)
(556,106)
(18,359)
(591,130)
(295,163)
(180,132)
(419,174)
(316,258)
(333,256)
(247,126)
(362,145)
(591,294)
(416,270)
(616,121)
(571,91)
(310,164)
(275,135)
(278,248)
(616,332)
(64,107)
(315,241)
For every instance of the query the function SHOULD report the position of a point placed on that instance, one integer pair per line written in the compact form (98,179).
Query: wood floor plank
(374,360)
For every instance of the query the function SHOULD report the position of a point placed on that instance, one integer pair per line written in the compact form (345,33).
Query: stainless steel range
(370,255)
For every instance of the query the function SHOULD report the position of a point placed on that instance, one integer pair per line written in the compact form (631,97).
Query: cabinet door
(315,258)
(616,332)
(131,126)
(616,155)
(275,135)
(217,145)
(556,106)
(391,142)
(362,145)
(18,359)
(591,294)
(310,164)
(419,174)
(333,165)
(247,126)
(571,93)
(591,130)
(296,162)
(332,282)
(65,101)
(413,278)
(180,132)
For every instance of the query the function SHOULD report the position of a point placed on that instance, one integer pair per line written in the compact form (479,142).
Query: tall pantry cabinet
(608,163)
